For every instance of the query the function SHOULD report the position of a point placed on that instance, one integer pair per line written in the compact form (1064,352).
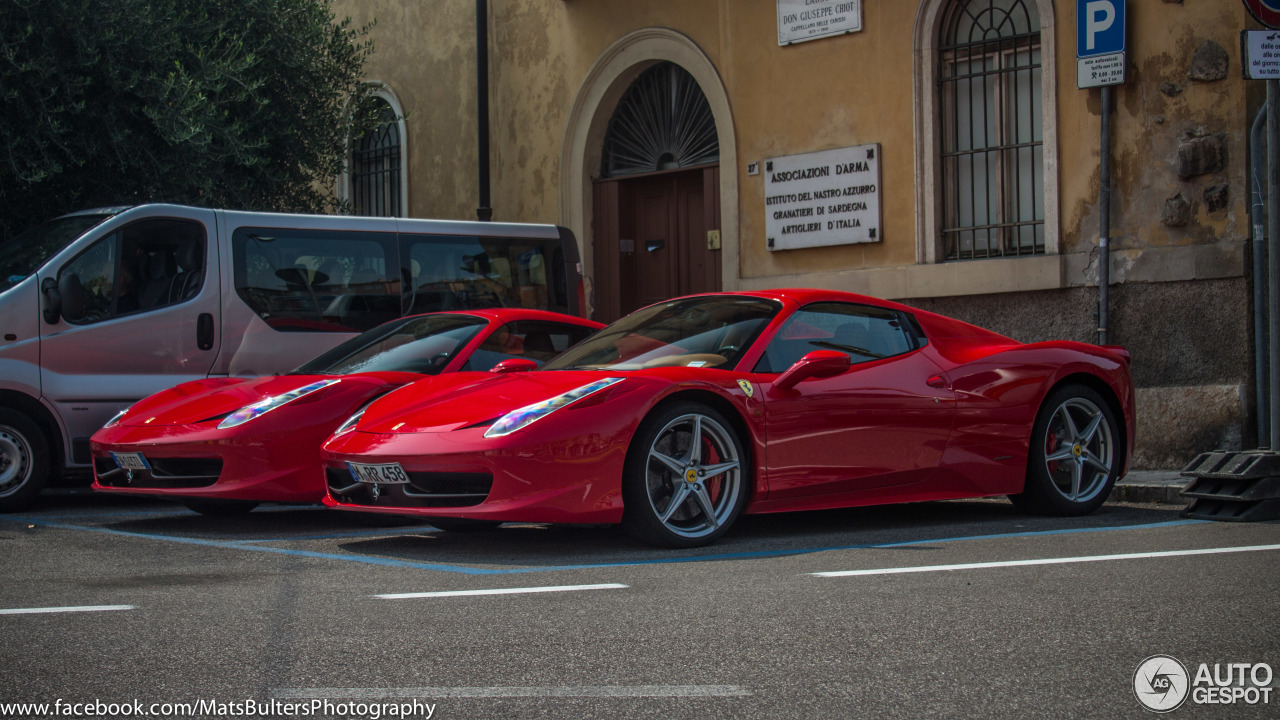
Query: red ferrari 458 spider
(223,445)
(682,415)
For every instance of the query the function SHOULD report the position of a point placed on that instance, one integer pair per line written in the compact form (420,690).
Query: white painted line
(81,608)
(1045,561)
(500,591)
(599,691)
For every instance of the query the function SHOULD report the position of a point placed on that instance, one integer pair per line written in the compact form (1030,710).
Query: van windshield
(24,253)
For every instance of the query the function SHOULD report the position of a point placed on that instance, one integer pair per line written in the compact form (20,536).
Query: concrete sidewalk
(1151,486)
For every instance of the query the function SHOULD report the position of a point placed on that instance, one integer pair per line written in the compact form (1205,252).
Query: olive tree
(244,104)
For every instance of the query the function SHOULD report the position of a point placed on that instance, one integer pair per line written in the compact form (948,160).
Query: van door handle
(204,331)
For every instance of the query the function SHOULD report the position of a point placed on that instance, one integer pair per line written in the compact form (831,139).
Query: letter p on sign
(1102,15)
(1099,27)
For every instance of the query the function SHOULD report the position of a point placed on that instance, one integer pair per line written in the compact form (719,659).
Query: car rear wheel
(1075,454)
(24,460)
(683,481)
(220,507)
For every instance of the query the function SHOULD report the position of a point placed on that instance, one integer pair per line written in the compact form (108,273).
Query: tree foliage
(222,103)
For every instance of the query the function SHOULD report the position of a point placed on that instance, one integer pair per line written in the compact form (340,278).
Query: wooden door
(651,239)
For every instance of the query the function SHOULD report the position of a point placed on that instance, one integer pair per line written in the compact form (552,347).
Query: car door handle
(204,331)
(937,381)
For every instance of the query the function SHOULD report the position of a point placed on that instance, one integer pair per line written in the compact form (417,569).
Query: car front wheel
(24,460)
(683,485)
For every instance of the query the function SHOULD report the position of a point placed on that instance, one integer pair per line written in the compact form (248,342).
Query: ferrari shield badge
(747,387)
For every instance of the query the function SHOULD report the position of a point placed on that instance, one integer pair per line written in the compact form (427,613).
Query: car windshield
(24,253)
(707,331)
(423,344)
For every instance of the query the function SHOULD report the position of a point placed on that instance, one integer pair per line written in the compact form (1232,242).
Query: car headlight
(249,412)
(517,419)
(116,418)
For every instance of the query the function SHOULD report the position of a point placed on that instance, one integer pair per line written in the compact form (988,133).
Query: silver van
(101,308)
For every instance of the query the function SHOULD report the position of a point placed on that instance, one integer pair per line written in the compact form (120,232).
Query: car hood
(450,402)
(215,398)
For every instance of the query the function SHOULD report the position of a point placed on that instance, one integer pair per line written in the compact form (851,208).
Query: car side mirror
(511,365)
(52,301)
(817,364)
(72,297)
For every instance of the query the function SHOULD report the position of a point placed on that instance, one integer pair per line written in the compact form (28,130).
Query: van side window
(863,332)
(317,280)
(536,340)
(468,273)
(141,267)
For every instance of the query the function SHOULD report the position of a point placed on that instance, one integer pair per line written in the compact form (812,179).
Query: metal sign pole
(1273,261)
(1104,219)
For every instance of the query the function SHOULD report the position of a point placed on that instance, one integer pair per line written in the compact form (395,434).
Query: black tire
(463,525)
(24,460)
(663,470)
(217,507)
(1072,474)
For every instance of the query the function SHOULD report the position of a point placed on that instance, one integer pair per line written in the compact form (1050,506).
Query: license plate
(130,461)
(389,474)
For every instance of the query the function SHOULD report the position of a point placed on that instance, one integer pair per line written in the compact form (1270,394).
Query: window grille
(375,169)
(663,122)
(992,144)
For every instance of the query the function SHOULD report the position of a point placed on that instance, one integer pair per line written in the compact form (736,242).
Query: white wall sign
(800,20)
(830,197)
(1261,52)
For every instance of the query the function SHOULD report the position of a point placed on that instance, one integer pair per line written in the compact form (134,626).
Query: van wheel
(220,507)
(24,461)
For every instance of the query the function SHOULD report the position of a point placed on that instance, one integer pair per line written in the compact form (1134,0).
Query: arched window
(663,122)
(375,187)
(991,144)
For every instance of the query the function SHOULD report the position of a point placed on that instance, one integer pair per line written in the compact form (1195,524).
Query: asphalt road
(283,607)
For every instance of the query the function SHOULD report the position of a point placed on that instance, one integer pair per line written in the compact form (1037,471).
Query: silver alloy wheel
(15,460)
(693,475)
(1079,447)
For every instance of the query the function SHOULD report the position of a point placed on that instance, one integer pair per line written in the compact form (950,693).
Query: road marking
(597,691)
(1045,561)
(500,591)
(81,608)
(251,545)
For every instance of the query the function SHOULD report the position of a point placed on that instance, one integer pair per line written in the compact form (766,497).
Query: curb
(1151,486)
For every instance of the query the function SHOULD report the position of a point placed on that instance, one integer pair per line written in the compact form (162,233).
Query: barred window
(992,140)
(375,168)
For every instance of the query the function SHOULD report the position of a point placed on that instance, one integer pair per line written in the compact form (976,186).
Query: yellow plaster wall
(816,95)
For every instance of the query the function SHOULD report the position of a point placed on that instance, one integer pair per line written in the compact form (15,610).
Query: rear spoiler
(1118,350)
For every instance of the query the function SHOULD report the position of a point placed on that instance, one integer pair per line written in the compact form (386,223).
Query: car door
(146,318)
(878,424)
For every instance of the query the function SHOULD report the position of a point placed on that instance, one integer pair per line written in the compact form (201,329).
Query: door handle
(937,381)
(204,331)
(654,245)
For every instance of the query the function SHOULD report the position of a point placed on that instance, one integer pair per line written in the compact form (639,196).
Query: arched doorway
(657,200)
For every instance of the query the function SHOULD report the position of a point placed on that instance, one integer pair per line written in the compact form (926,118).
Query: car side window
(533,339)
(863,332)
(144,266)
(317,280)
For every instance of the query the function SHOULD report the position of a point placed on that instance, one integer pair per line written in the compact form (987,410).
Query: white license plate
(130,461)
(389,474)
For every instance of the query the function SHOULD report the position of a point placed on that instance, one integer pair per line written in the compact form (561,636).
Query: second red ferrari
(223,445)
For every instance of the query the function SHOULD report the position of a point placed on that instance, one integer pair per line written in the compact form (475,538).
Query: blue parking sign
(1099,27)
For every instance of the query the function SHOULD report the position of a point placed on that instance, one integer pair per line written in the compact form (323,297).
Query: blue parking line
(253,546)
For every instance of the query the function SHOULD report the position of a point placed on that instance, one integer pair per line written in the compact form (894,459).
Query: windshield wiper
(846,348)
